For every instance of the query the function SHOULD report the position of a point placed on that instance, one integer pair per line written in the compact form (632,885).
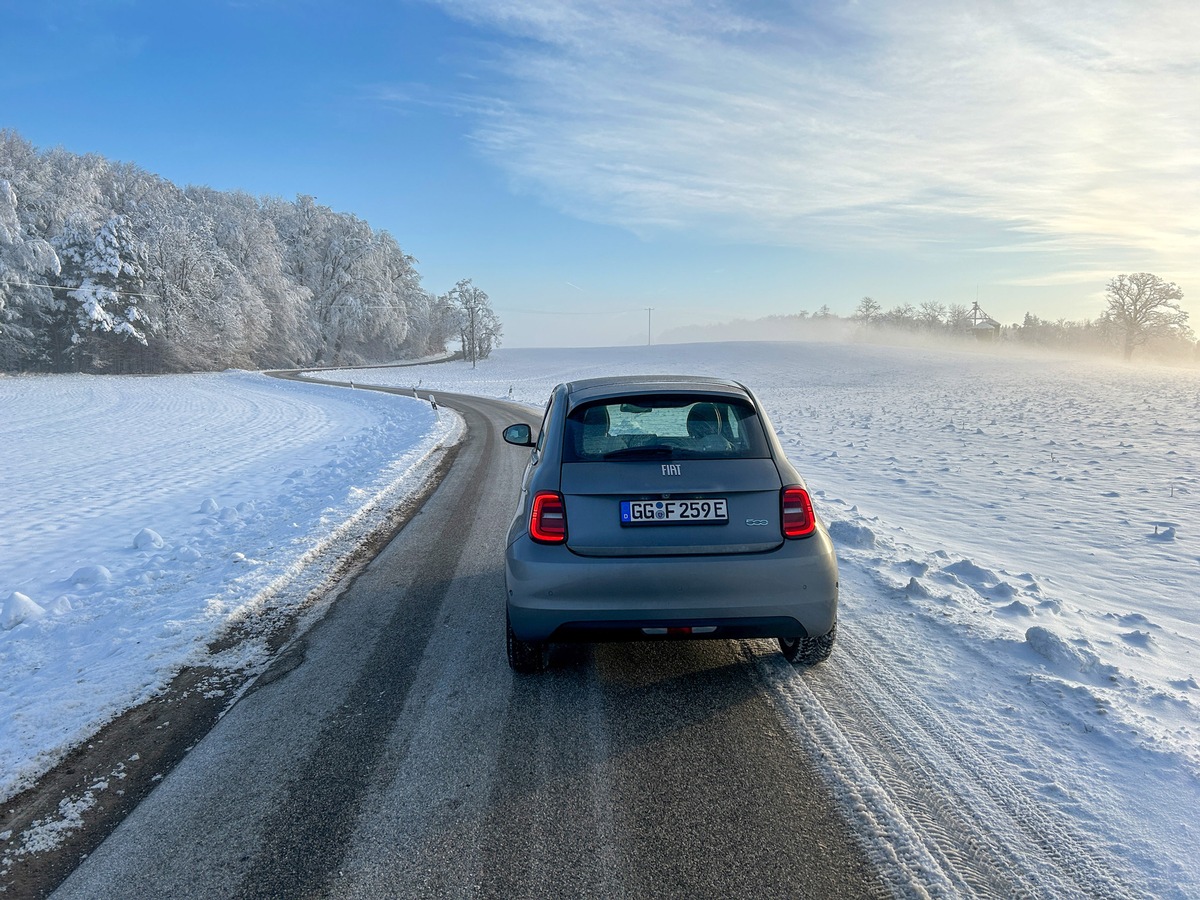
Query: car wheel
(524,656)
(808,651)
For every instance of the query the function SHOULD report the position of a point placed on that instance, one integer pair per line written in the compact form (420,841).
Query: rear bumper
(554,594)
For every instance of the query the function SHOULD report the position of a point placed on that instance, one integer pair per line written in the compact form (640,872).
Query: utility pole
(649,309)
(471,310)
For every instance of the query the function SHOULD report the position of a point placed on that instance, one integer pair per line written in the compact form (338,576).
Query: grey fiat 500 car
(664,507)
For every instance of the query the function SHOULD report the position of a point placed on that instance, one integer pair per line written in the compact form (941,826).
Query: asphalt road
(391,752)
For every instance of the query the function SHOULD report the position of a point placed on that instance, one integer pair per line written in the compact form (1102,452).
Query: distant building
(980,324)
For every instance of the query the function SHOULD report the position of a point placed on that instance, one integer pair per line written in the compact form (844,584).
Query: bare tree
(1143,306)
(902,317)
(933,315)
(957,318)
(868,311)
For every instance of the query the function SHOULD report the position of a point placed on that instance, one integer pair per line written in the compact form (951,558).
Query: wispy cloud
(979,125)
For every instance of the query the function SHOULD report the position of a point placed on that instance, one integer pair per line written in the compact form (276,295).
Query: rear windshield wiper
(651,451)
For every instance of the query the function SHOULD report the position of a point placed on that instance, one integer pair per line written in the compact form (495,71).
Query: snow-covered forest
(105,267)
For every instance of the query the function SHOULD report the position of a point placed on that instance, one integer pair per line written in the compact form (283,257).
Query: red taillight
(548,521)
(798,518)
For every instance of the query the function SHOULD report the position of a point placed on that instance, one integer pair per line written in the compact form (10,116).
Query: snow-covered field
(1019,647)
(1021,594)
(143,515)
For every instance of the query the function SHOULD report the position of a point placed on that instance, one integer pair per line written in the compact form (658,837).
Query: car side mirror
(520,435)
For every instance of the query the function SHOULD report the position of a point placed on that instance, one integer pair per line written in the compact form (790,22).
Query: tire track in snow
(239,419)
(936,811)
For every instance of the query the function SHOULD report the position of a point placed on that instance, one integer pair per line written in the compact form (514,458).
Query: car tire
(526,657)
(808,651)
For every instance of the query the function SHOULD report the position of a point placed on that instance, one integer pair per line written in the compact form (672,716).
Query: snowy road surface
(392,753)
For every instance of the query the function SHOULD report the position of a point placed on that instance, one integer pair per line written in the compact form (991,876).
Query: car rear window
(667,426)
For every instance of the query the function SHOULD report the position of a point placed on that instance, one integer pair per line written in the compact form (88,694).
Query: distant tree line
(105,267)
(1142,312)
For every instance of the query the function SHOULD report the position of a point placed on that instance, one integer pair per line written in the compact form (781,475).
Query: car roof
(588,389)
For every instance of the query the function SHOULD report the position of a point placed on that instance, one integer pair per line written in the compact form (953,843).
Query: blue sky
(712,160)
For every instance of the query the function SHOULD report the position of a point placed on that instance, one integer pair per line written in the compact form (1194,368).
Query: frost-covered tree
(478,327)
(23,258)
(266,305)
(328,255)
(208,310)
(1142,307)
(391,291)
(443,318)
(348,285)
(101,275)
(430,324)
(488,333)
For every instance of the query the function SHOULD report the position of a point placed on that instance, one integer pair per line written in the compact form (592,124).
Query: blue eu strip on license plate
(674,512)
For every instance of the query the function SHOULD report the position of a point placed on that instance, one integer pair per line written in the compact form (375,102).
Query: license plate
(674,512)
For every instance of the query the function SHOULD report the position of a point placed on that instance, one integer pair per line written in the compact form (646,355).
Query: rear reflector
(682,630)
(548,521)
(798,518)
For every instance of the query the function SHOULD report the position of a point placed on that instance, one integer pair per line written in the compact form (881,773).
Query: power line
(563,312)
(67,287)
(527,312)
